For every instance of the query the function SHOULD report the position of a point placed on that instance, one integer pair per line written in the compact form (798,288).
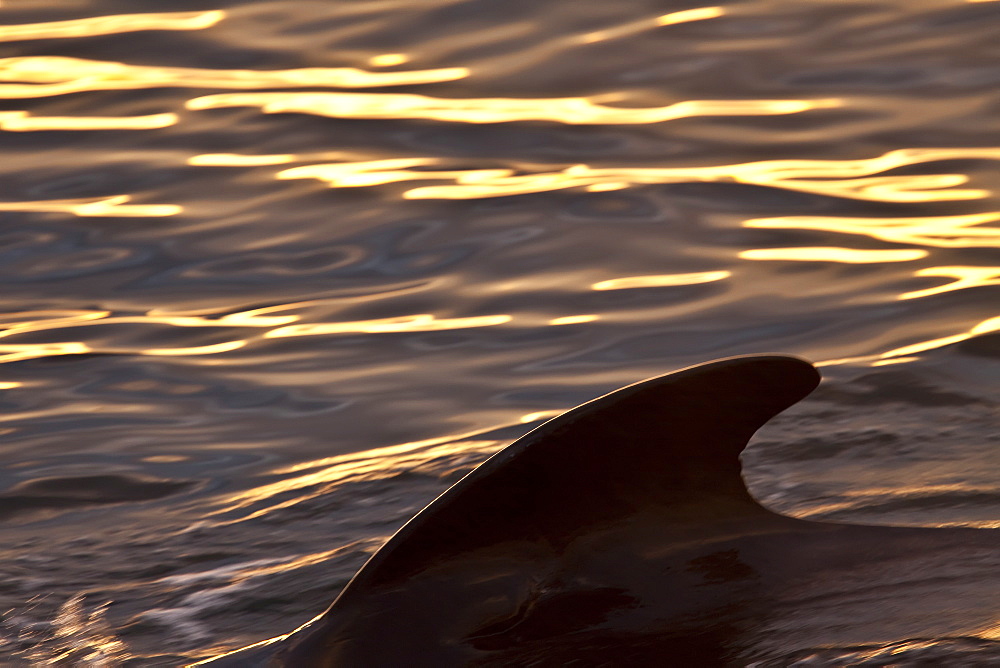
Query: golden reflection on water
(894,360)
(985,327)
(258,317)
(109,25)
(375,464)
(75,324)
(858,179)
(989,632)
(965,277)
(32,320)
(662,280)
(574,319)
(833,178)
(45,76)
(861,498)
(237,160)
(827,254)
(539,415)
(636,27)
(165,459)
(23,121)
(423,322)
(911,188)
(263,567)
(388,59)
(910,352)
(606,187)
(569,110)
(962,231)
(252,318)
(212,349)
(374,172)
(278,322)
(105,207)
(18,352)
(35,321)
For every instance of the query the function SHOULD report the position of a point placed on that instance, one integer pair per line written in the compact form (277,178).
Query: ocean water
(275,274)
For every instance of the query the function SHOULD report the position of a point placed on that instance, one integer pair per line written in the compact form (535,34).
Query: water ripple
(299,265)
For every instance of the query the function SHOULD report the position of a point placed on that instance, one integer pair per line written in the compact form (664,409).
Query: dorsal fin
(621,533)
(670,443)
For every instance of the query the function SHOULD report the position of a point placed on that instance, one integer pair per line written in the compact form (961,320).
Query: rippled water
(276,273)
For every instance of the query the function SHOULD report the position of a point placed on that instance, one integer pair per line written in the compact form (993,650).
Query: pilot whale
(621,534)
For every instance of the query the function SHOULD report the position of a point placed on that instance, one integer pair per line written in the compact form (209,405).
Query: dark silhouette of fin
(621,534)
(671,443)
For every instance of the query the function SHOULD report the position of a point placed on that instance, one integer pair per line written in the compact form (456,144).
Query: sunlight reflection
(19,352)
(372,464)
(44,76)
(29,319)
(388,59)
(910,352)
(858,499)
(912,188)
(110,25)
(277,317)
(827,169)
(573,319)
(965,277)
(237,160)
(961,231)
(358,174)
(895,360)
(811,176)
(223,347)
(826,254)
(380,172)
(387,452)
(663,280)
(256,568)
(834,178)
(570,110)
(635,27)
(540,415)
(74,323)
(258,317)
(423,322)
(23,121)
(87,207)
(686,15)
(607,187)
(244,319)
(985,327)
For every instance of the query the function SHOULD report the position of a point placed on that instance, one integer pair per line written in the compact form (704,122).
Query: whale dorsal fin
(621,533)
(671,443)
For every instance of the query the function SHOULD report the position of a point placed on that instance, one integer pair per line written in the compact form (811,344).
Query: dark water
(276,273)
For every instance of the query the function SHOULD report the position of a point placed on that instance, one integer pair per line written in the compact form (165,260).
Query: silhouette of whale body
(621,534)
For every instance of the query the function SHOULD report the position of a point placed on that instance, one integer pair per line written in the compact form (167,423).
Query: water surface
(275,274)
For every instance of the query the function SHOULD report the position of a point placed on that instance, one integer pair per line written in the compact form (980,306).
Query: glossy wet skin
(621,532)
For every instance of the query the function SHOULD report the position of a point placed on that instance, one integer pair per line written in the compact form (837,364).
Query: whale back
(604,487)
(621,533)
(671,443)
